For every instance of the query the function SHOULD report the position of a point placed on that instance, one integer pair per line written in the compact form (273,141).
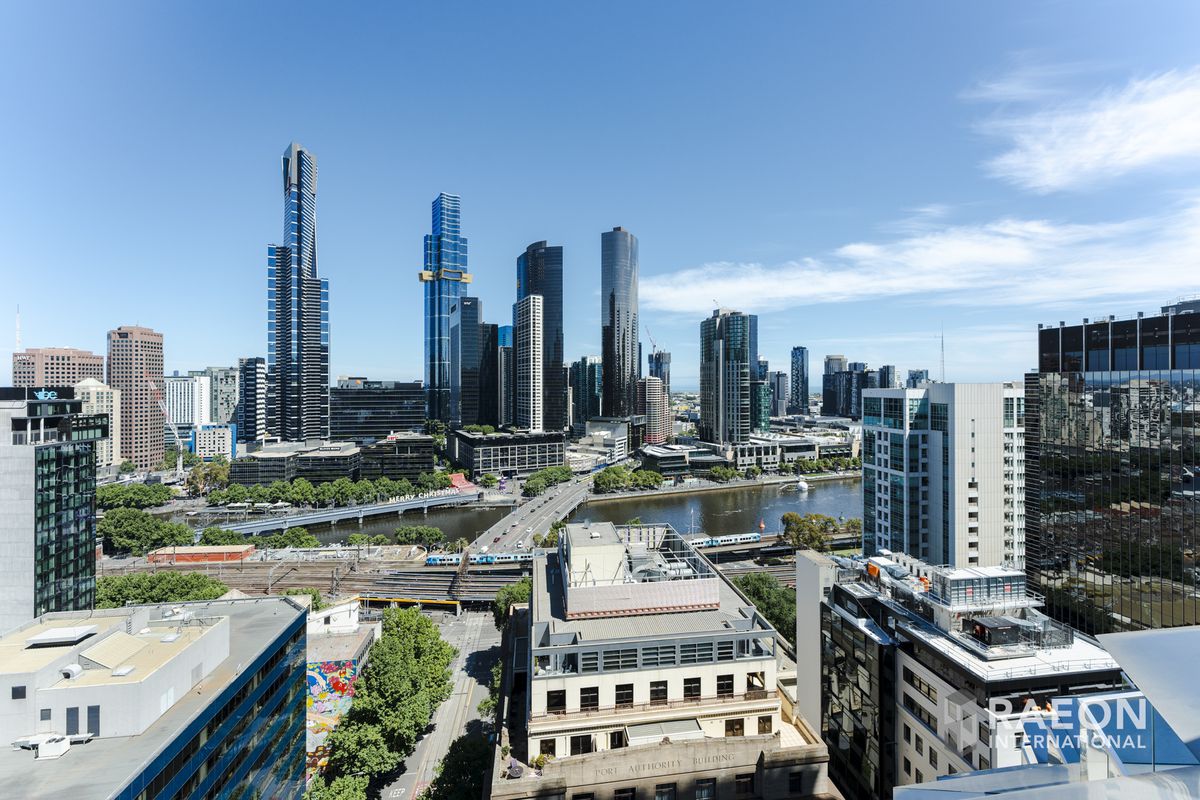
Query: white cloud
(1007,261)
(1027,80)
(1151,122)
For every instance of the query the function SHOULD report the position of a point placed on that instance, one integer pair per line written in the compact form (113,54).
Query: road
(515,531)
(478,643)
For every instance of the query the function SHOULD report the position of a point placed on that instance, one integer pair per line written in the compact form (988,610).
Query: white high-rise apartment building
(527,333)
(100,398)
(188,399)
(944,473)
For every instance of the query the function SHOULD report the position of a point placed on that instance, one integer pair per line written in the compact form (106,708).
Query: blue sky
(861,175)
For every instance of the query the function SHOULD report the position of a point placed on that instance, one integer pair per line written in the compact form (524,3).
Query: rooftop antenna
(943,352)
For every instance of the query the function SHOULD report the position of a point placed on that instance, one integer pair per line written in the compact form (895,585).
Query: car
(495,540)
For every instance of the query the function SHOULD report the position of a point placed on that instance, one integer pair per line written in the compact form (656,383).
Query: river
(715,513)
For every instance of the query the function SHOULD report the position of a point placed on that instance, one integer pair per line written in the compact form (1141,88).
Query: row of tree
(407,677)
(342,492)
(543,479)
(132,495)
(296,538)
(619,479)
(114,591)
(773,600)
(128,530)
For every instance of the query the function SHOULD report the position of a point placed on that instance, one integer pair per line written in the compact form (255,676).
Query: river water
(716,513)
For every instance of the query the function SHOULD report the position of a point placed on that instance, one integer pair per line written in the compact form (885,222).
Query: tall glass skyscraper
(620,350)
(660,367)
(725,394)
(798,403)
(540,271)
(297,311)
(466,360)
(445,277)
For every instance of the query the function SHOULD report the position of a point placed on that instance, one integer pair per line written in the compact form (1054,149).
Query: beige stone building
(100,398)
(639,673)
(135,361)
(55,366)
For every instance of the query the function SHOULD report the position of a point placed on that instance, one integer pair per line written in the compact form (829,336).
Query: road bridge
(334,515)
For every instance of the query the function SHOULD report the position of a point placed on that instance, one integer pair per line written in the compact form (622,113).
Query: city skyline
(950,218)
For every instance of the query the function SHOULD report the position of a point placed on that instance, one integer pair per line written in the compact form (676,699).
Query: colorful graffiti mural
(330,692)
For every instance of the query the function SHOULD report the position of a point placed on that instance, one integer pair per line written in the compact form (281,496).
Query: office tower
(917,377)
(100,398)
(1112,461)
(186,700)
(763,370)
(620,347)
(916,664)
(489,374)
(527,356)
(887,377)
(365,411)
(48,486)
(466,316)
(223,395)
(833,365)
(506,376)
(944,473)
(189,400)
(760,406)
(660,367)
(652,686)
(135,368)
(656,407)
(836,363)
(55,366)
(843,390)
(445,278)
(297,312)
(725,400)
(540,271)
(779,393)
(587,389)
(798,401)
(754,354)
(251,414)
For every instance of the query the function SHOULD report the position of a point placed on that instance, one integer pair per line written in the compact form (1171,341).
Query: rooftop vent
(71,671)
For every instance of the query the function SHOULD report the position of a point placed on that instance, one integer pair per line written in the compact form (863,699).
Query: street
(535,515)
(478,643)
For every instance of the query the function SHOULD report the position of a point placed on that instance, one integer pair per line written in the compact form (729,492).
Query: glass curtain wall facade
(297,311)
(798,402)
(466,356)
(365,411)
(505,376)
(1111,458)
(540,271)
(251,415)
(660,367)
(725,399)
(620,349)
(445,279)
(587,389)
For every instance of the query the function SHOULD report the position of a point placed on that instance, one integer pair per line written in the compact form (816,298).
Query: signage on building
(39,393)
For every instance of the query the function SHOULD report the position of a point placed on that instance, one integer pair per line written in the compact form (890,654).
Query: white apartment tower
(528,333)
(944,473)
(100,398)
(189,403)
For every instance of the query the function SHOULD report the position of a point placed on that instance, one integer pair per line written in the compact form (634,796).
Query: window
(625,794)
(72,720)
(620,659)
(907,766)
(624,695)
(933,761)
(581,745)
(919,777)
(984,762)
(920,744)
(724,686)
(589,662)
(93,720)
(920,684)
(658,693)
(907,733)
(45,715)
(743,785)
(764,725)
(547,746)
(796,785)
(724,651)
(706,789)
(586,796)
(658,656)
(664,791)
(589,698)
(920,712)
(556,701)
(696,653)
(616,740)
(735,727)
(691,688)
(18,693)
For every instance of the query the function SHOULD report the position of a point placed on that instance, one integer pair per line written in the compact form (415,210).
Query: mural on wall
(330,692)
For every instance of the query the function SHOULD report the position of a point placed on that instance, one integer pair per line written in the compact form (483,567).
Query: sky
(866,177)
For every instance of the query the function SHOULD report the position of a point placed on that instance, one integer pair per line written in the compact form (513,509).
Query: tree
(127,467)
(459,545)
(133,495)
(533,486)
(316,604)
(811,531)
(751,472)
(722,474)
(114,591)
(298,538)
(220,536)
(774,601)
(424,535)
(461,773)
(634,521)
(303,493)
(518,592)
(127,530)
(358,748)
(611,479)
(345,787)
(488,481)
(853,526)
(358,540)
(647,479)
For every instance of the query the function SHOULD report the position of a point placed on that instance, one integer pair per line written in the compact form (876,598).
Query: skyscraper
(798,403)
(887,377)
(660,367)
(445,278)
(833,365)
(98,397)
(779,394)
(1111,454)
(506,392)
(489,374)
(135,367)
(251,415)
(656,406)
(527,351)
(55,366)
(725,401)
(366,411)
(297,311)
(224,395)
(620,349)
(189,404)
(917,377)
(540,271)
(466,359)
(587,389)
(760,406)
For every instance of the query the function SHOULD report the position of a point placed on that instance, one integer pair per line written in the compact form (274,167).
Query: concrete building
(316,461)
(609,437)
(779,393)
(725,366)
(47,503)
(944,473)
(887,377)
(251,413)
(643,672)
(930,671)
(917,378)
(55,366)
(843,390)
(223,392)
(653,403)
(833,365)
(213,441)
(540,272)
(527,357)
(507,453)
(190,701)
(135,368)
(189,405)
(398,455)
(99,398)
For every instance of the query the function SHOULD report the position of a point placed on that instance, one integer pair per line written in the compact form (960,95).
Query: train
(454,559)
(721,541)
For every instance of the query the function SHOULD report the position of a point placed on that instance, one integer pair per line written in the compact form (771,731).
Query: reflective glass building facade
(1111,457)
(725,394)
(619,321)
(365,411)
(798,402)
(297,311)
(445,279)
(540,271)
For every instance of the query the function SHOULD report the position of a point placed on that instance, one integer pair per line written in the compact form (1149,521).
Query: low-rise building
(210,441)
(507,453)
(200,554)
(317,461)
(191,700)
(642,672)
(398,455)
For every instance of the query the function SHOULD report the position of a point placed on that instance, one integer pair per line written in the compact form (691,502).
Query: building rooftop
(101,767)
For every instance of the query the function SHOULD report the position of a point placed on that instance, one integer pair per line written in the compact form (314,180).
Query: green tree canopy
(774,601)
(722,474)
(425,535)
(647,479)
(811,531)
(488,481)
(114,591)
(611,479)
(127,530)
(220,536)
(132,495)
(518,592)
(298,538)
(315,594)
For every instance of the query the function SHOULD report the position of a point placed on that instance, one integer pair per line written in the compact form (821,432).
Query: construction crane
(650,336)
(170,424)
